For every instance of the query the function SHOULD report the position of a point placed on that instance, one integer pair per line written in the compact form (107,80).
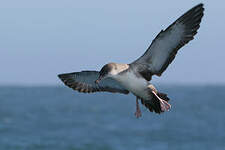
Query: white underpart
(133,83)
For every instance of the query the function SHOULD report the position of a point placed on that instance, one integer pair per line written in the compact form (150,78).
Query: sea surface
(58,118)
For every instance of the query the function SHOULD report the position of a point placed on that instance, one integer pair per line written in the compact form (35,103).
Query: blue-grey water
(57,118)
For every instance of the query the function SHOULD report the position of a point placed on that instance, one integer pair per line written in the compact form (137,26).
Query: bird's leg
(165,106)
(138,110)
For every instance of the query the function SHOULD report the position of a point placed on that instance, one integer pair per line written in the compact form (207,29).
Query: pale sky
(40,39)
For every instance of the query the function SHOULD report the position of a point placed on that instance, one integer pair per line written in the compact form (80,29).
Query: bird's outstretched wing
(164,47)
(85,82)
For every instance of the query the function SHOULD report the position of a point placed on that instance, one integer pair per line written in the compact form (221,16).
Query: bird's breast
(133,83)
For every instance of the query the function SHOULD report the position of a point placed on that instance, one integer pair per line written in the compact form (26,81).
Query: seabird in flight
(135,77)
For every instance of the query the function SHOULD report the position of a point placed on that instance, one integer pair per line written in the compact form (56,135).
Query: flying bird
(135,77)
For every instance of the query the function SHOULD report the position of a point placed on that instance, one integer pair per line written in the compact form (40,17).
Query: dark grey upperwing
(164,47)
(85,82)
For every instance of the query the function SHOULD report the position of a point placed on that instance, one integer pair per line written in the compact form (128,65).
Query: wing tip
(199,5)
(191,21)
(60,76)
(64,76)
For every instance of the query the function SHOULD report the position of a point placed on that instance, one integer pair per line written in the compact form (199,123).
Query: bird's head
(108,70)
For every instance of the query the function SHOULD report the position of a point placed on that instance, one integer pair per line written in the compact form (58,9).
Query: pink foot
(165,106)
(138,113)
(138,110)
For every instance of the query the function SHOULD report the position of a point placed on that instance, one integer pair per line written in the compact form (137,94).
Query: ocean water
(57,118)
